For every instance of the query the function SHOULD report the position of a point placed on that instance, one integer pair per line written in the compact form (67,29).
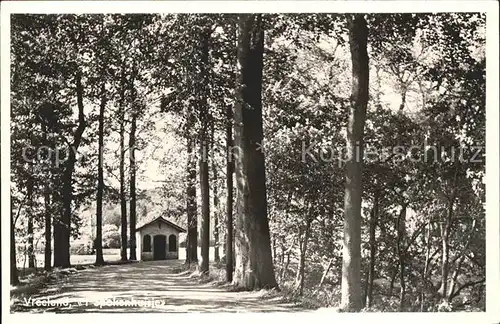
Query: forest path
(156,282)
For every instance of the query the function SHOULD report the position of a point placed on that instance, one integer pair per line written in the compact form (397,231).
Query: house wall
(152,230)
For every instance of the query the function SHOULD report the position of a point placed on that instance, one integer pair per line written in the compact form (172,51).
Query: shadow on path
(144,287)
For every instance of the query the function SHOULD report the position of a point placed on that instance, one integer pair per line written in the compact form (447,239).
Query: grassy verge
(34,283)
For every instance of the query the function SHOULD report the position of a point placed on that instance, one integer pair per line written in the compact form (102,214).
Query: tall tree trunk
(325,273)
(403,98)
(48,230)
(401,248)
(373,251)
(216,194)
(14,275)
(224,245)
(133,198)
(393,268)
(445,255)
(445,232)
(254,264)
(284,269)
(352,299)
(62,227)
(204,154)
(426,265)
(378,83)
(393,278)
(460,258)
(99,259)
(299,280)
(229,242)
(229,197)
(191,208)
(273,247)
(216,224)
(123,200)
(286,247)
(47,209)
(58,239)
(444,262)
(31,216)
(62,231)
(205,215)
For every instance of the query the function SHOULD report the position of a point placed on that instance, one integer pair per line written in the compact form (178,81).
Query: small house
(158,240)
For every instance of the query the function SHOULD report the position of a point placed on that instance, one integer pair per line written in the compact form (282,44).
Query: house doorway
(160,247)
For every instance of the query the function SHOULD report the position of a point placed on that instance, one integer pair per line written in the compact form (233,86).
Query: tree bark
(393,278)
(14,276)
(352,299)
(58,239)
(216,226)
(401,230)
(403,99)
(31,216)
(204,154)
(373,251)
(47,210)
(216,194)
(444,259)
(48,230)
(62,228)
(224,245)
(285,262)
(460,259)
(191,208)
(123,200)
(229,197)
(325,273)
(132,171)
(273,246)
(205,215)
(299,281)
(99,260)
(426,266)
(254,265)
(229,242)
(467,285)
(445,232)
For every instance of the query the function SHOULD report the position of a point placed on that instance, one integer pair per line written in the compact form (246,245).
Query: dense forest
(337,158)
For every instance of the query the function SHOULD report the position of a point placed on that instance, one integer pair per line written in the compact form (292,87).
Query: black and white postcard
(308,159)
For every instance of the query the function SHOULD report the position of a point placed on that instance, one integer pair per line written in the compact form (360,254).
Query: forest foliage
(175,77)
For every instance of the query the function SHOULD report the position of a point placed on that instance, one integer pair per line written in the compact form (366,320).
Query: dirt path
(144,287)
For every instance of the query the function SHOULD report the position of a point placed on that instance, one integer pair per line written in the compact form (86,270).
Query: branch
(109,171)
(462,253)
(19,211)
(430,265)
(414,237)
(469,284)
